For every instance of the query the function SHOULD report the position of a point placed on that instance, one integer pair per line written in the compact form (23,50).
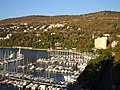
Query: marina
(51,69)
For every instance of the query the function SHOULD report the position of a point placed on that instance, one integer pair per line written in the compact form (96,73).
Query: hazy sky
(18,8)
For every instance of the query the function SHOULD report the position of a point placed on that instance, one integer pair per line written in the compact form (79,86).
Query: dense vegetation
(33,31)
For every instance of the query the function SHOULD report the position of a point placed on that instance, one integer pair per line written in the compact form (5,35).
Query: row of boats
(26,77)
(64,60)
(63,64)
(23,84)
(30,82)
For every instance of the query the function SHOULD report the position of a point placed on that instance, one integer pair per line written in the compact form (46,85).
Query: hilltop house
(7,37)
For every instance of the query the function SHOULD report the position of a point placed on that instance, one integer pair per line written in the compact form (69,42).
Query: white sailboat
(69,78)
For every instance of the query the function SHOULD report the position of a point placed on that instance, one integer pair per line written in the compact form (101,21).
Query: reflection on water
(28,54)
(29,57)
(8,88)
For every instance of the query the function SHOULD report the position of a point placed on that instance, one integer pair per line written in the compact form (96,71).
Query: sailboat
(10,56)
(69,78)
(19,55)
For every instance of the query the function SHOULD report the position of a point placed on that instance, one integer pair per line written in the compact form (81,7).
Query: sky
(19,8)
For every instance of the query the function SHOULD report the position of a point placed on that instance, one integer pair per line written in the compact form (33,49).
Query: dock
(10,79)
(68,63)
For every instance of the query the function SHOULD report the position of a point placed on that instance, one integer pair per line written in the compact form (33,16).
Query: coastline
(37,49)
(28,48)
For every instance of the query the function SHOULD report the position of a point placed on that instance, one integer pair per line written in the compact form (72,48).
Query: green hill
(45,31)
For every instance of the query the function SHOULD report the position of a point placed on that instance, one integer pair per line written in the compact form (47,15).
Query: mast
(19,52)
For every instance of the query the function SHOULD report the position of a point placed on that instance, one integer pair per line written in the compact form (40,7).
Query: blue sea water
(8,88)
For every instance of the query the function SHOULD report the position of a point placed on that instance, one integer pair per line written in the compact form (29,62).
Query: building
(114,43)
(101,43)
(106,35)
(7,37)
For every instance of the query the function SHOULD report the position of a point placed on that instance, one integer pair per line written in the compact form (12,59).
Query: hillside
(64,31)
(68,32)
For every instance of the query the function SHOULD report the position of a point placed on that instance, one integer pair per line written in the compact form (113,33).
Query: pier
(10,79)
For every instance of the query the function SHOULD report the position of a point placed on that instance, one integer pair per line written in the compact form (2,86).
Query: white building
(106,35)
(7,37)
(101,43)
(114,43)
